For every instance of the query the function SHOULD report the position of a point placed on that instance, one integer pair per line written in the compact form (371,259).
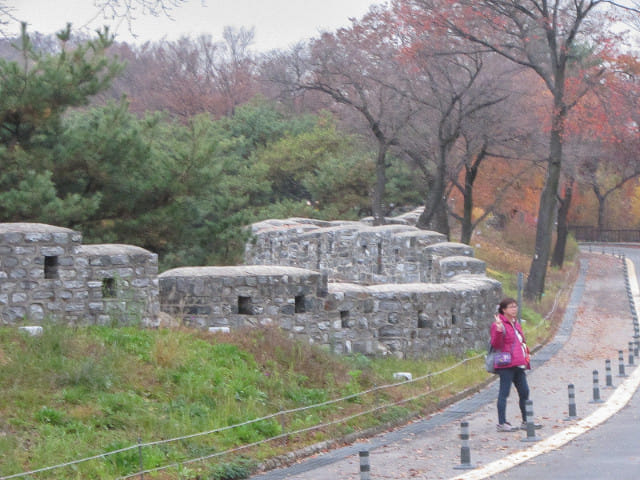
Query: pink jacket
(508,342)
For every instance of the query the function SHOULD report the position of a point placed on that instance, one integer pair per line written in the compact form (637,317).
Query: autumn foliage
(478,111)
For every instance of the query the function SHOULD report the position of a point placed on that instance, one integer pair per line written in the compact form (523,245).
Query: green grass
(74,393)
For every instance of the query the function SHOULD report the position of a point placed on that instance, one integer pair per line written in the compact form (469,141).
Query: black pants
(517,377)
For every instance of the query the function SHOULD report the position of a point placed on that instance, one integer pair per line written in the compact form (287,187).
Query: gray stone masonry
(122,282)
(412,320)
(377,290)
(45,272)
(361,253)
(248,295)
(349,286)
(353,251)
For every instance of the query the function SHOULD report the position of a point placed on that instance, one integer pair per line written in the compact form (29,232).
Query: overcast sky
(278,23)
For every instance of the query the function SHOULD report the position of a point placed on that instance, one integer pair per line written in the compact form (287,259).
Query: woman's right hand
(499,324)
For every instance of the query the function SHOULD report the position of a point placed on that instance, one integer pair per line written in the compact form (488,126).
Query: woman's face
(511,310)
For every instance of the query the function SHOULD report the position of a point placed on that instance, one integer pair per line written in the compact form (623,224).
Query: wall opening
(344,318)
(109,288)
(423,320)
(51,267)
(299,302)
(454,320)
(244,306)
(379,258)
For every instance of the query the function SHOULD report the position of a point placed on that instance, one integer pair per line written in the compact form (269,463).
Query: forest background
(526,117)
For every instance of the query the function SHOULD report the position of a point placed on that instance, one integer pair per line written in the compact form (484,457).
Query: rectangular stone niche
(244,306)
(51,267)
(423,320)
(344,318)
(109,289)
(299,304)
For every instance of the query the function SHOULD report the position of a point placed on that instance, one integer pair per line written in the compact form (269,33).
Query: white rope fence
(267,417)
(283,435)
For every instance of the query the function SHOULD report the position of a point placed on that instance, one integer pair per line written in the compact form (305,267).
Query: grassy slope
(75,393)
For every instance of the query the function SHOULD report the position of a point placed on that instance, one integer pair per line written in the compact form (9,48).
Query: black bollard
(572,402)
(140,458)
(364,465)
(465,452)
(596,389)
(609,378)
(631,361)
(531,429)
(621,364)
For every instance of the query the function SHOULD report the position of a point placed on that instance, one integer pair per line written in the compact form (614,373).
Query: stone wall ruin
(349,286)
(46,272)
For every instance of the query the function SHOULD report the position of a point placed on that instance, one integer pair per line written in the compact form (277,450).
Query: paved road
(609,451)
(596,325)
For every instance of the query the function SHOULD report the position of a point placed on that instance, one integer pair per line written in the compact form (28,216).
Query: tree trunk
(377,206)
(467,225)
(436,215)
(534,287)
(470,174)
(562,231)
(601,202)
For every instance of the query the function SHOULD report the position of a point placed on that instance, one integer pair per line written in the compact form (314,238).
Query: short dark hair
(505,303)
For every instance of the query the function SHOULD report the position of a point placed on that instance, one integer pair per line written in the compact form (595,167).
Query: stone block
(52,251)
(32,330)
(10,262)
(18,273)
(36,312)
(19,297)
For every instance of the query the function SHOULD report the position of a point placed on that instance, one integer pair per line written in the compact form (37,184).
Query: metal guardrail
(595,234)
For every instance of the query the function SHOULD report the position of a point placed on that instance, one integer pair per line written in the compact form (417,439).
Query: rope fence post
(365,468)
(631,357)
(572,402)
(140,458)
(465,452)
